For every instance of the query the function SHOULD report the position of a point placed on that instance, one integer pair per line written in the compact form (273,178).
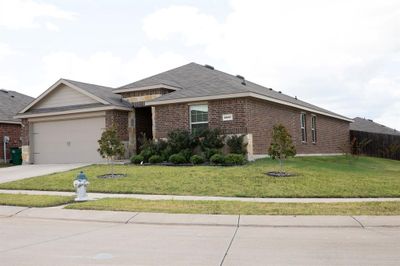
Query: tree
(281,146)
(110,146)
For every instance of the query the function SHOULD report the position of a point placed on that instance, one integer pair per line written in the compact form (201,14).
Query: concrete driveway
(13,173)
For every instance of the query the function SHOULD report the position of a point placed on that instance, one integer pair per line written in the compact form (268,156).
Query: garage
(67,141)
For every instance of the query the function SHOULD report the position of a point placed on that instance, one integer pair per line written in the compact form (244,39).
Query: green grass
(315,177)
(244,208)
(33,200)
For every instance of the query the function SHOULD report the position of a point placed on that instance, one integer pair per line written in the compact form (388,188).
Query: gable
(63,95)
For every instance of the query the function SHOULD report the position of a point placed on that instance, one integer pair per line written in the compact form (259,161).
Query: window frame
(303,127)
(314,129)
(190,115)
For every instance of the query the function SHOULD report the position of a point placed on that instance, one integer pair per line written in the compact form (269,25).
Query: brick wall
(331,133)
(14,132)
(170,117)
(257,117)
(120,120)
(237,107)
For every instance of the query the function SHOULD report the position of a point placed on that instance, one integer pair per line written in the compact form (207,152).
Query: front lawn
(315,177)
(243,208)
(33,200)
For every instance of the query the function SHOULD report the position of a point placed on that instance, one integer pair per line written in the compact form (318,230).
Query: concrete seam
(12,215)
(354,218)
(136,214)
(230,243)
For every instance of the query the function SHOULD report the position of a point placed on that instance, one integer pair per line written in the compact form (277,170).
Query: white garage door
(67,141)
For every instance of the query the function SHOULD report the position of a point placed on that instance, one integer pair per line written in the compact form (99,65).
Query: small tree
(281,146)
(110,146)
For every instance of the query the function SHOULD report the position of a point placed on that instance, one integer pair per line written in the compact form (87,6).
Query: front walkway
(12,173)
(95,196)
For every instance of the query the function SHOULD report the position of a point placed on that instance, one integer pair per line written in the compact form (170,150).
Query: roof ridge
(92,84)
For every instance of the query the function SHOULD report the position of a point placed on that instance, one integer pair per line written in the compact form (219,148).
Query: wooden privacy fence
(374,144)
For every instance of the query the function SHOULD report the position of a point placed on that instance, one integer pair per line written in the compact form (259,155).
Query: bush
(211,139)
(146,153)
(197,159)
(137,159)
(177,158)
(236,144)
(179,140)
(210,152)
(155,159)
(236,159)
(217,159)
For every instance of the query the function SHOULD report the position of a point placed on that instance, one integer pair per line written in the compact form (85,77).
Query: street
(34,240)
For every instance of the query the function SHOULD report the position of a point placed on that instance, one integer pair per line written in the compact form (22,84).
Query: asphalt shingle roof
(11,102)
(366,125)
(105,93)
(196,80)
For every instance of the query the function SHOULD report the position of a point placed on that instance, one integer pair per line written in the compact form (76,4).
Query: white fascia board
(110,107)
(245,94)
(158,86)
(55,85)
(10,122)
(199,99)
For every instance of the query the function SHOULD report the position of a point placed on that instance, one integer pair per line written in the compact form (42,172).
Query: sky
(341,55)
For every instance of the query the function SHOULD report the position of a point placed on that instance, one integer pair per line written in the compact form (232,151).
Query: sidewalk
(95,196)
(58,213)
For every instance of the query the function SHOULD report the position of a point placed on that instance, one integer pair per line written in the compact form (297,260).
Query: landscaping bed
(243,208)
(33,200)
(314,177)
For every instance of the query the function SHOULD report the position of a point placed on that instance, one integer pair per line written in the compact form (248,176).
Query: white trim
(10,122)
(158,86)
(314,138)
(246,94)
(55,85)
(75,111)
(303,127)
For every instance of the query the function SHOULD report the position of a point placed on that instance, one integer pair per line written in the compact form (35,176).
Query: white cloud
(104,68)
(51,27)
(342,55)
(18,14)
(6,50)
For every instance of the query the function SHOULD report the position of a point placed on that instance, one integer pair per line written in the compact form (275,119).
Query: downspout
(6,139)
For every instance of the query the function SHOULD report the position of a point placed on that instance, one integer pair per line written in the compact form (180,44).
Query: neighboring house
(65,122)
(10,103)
(382,140)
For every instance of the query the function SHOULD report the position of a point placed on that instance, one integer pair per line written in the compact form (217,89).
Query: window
(314,129)
(198,117)
(303,127)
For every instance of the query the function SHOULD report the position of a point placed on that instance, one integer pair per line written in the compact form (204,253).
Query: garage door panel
(67,141)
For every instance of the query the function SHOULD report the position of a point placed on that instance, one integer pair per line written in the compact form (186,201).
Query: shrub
(155,159)
(211,139)
(210,152)
(147,153)
(197,159)
(236,144)
(281,145)
(236,159)
(179,140)
(217,159)
(137,159)
(177,158)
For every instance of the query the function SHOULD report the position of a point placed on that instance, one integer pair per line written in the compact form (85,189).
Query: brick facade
(14,132)
(332,134)
(257,117)
(119,119)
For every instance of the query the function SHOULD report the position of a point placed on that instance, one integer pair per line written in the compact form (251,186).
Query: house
(64,123)
(10,103)
(379,140)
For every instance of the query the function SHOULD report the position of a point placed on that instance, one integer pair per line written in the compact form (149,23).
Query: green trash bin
(16,156)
